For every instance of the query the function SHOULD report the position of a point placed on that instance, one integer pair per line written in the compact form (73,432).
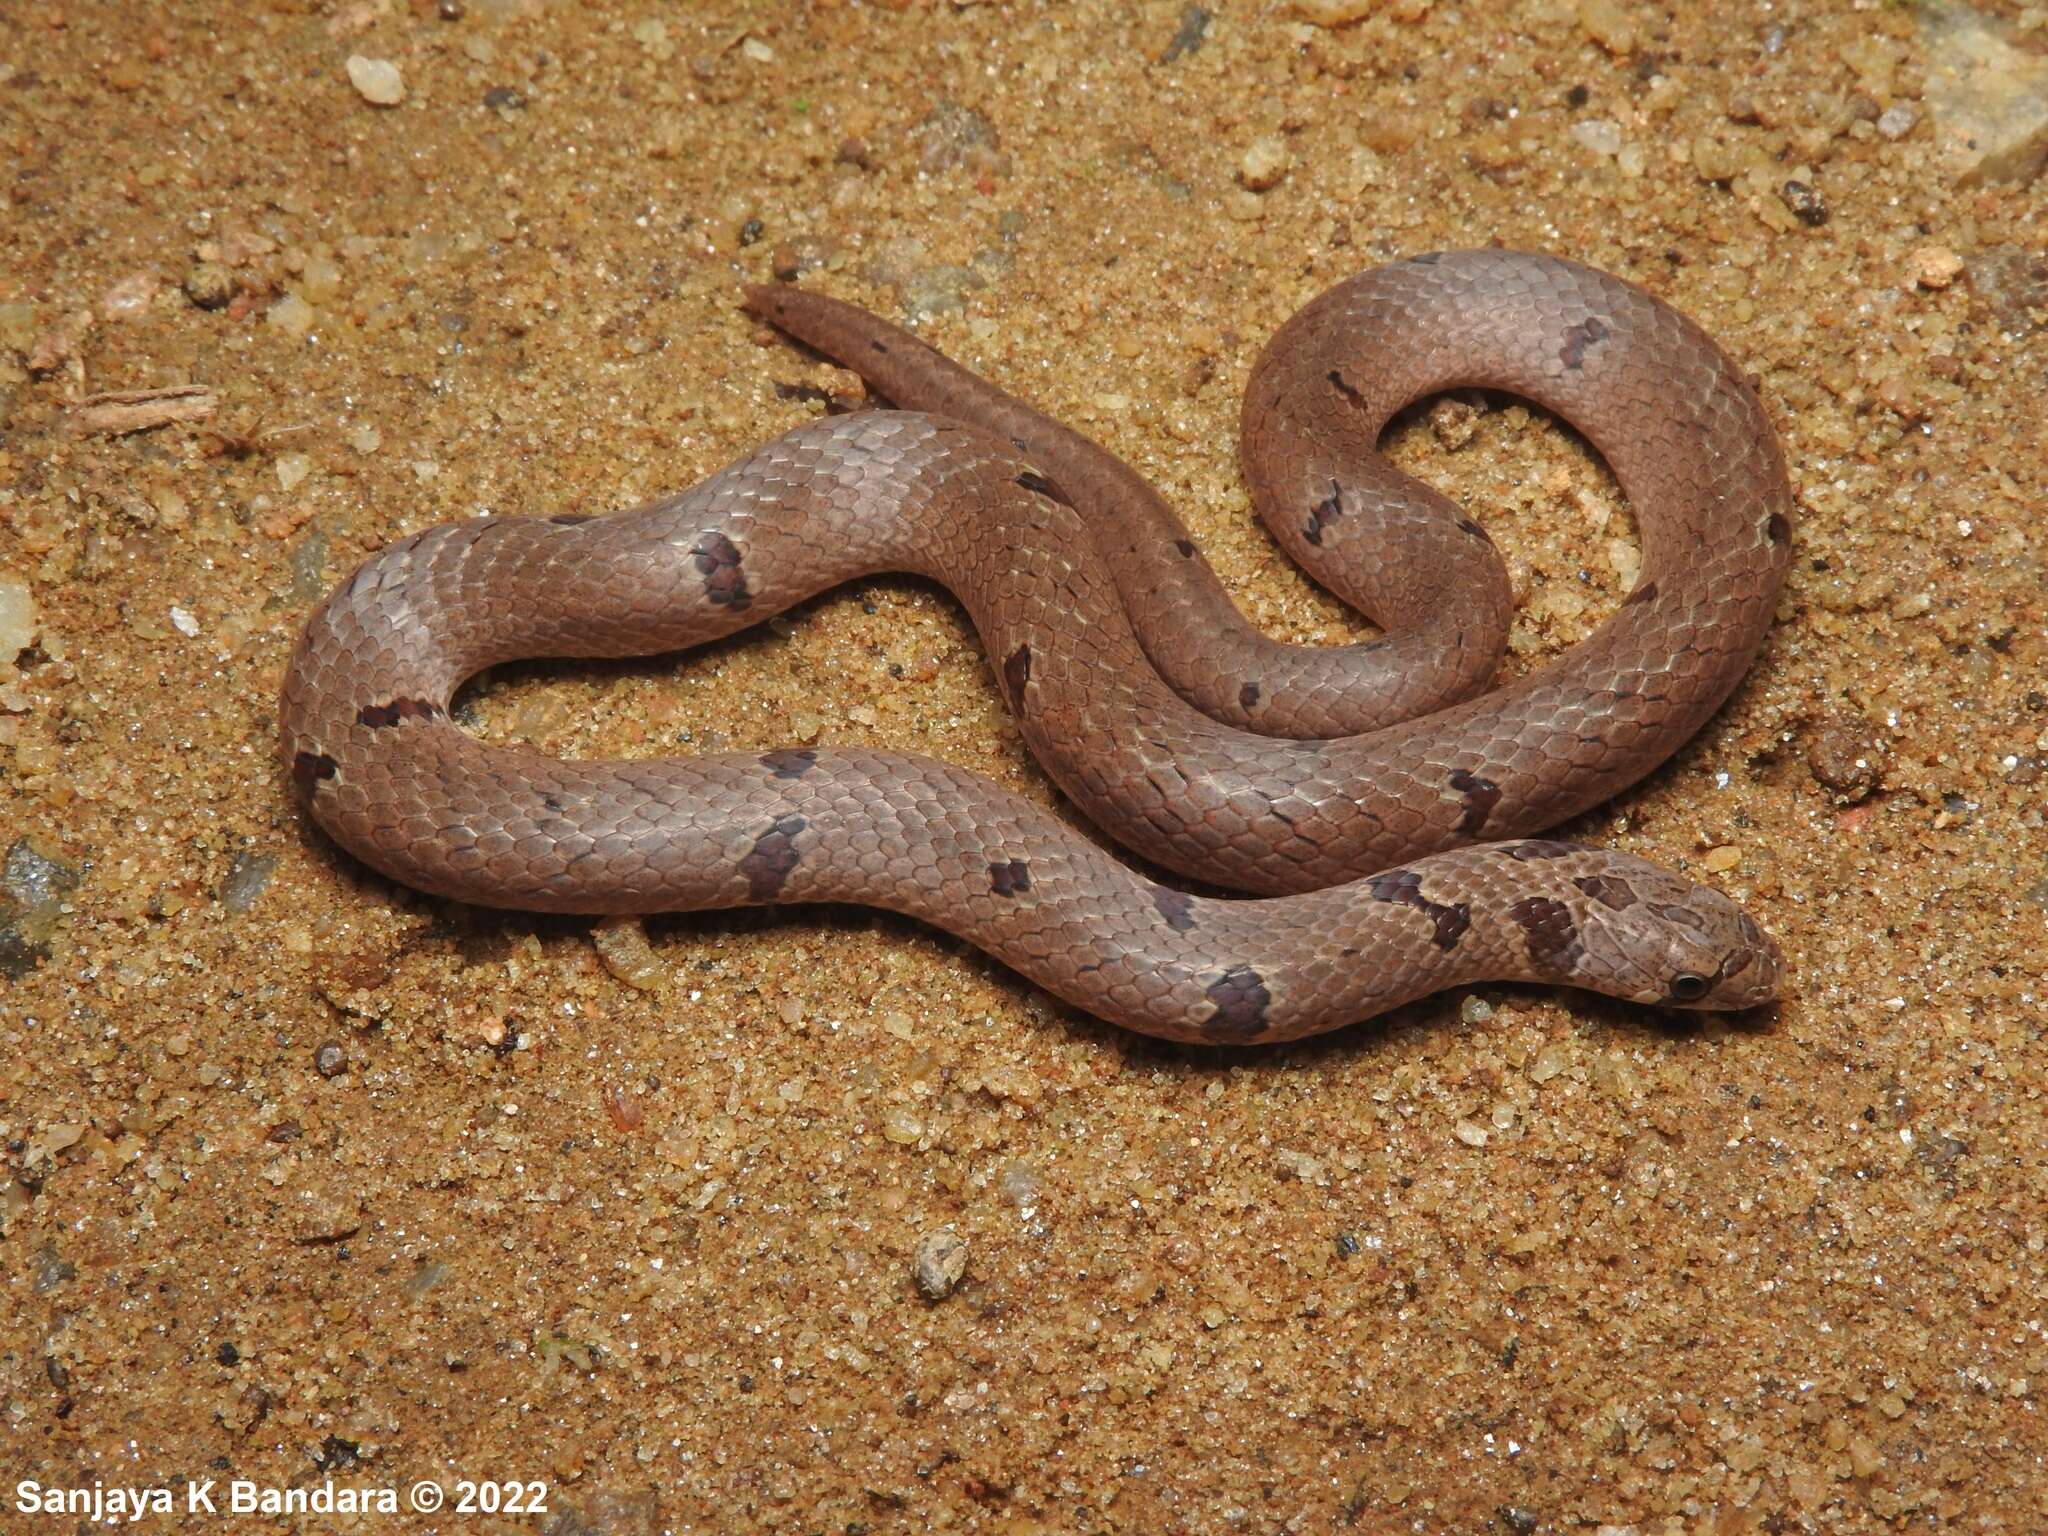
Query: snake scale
(1379,799)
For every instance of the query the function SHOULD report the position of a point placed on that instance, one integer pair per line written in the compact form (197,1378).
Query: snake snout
(1726,963)
(1671,943)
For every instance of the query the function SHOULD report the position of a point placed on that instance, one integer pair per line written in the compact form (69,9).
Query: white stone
(17,616)
(376,80)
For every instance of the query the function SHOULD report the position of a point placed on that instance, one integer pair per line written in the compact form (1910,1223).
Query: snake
(1361,824)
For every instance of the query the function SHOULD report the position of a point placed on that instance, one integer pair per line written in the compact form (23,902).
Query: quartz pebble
(1266,163)
(1934,266)
(129,299)
(1610,24)
(1599,134)
(622,945)
(377,81)
(17,616)
(291,315)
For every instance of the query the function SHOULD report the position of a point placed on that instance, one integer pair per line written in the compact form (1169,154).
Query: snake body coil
(1352,786)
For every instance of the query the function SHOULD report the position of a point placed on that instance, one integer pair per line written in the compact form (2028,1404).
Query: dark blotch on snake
(768,863)
(1541,848)
(1177,907)
(1346,390)
(1248,696)
(1779,528)
(377,716)
(1547,925)
(1187,550)
(1031,480)
(789,762)
(1016,673)
(1466,525)
(1481,796)
(1010,878)
(569,519)
(312,767)
(1324,513)
(1642,594)
(1404,887)
(1241,1001)
(1580,337)
(1609,890)
(718,561)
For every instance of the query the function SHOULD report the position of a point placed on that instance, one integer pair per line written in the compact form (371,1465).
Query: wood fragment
(139,410)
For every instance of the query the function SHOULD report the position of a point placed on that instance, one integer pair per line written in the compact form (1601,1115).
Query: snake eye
(1688,987)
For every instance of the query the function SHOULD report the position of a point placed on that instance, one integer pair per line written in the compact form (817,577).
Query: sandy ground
(307,1177)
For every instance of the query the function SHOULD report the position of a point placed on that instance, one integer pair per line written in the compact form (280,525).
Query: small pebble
(1897,121)
(1720,860)
(1934,266)
(622,945)
(1333,13)
(1610,24)
(291,314)
(329,1061)
(1806,204)
(247,875)
(1454,422)
(1845,758)
(209,285)
(17,616)
(952,135)
(129,299)
(376,80)
(1266,163)
(1599,134)
(939,1262)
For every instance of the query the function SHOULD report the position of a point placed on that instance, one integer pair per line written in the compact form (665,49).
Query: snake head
(1659,938)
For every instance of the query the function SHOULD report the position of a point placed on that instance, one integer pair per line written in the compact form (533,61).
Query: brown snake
(1348,784)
